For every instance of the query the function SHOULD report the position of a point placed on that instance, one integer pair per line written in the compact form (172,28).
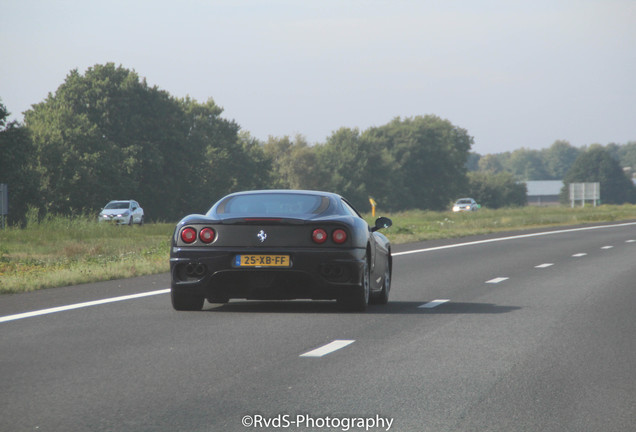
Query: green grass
(61,251)
(418,225)
(67,251)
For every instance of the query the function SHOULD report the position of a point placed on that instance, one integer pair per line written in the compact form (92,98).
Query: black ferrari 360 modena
(280,245)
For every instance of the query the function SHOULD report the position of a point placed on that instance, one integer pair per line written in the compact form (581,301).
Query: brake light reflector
(207,235)
(319,236)
(188,235)
(339,236)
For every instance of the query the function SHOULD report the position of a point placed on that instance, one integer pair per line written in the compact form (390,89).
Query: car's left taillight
(188,235)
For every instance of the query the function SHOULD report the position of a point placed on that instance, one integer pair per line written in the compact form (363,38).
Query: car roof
(333,199)
(285,191)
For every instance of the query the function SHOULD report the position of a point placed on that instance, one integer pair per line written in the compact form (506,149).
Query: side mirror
(382,222)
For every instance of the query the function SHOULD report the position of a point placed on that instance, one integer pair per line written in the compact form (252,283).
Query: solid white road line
(329,348)
(497,280)
(545,265)
(546,233)
(433,304)
(80,305)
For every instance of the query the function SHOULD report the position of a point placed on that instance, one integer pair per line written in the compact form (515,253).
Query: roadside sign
(585,191)
(373,205)
(4,203)
(4,199)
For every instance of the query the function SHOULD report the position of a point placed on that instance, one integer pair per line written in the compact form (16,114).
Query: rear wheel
(359,299)
(383,296)
(186,301)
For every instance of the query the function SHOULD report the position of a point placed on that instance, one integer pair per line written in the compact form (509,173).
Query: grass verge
(418,225)
(61,251)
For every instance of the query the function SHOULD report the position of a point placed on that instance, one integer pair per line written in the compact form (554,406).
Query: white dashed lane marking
(578,255)
(607,247)
(327,349)
(544,265)
(433,304)
(497,280)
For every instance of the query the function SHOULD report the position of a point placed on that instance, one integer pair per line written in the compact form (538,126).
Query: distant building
(544,192)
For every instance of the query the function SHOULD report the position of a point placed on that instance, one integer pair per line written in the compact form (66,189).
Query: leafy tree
(295,163)
(496,190)
(108,135)
(16,169)
(472,164)
(527,165)
(218,161)
(105,135)
(597,165)
(627,155)
(430,156)
(357,167)
(4,114)
(559,158)
(256,167)
(490,163)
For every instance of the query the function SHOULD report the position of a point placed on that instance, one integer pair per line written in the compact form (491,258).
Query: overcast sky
(512,73)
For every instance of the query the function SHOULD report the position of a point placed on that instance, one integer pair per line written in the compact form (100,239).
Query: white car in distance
(465,204)
(122,212)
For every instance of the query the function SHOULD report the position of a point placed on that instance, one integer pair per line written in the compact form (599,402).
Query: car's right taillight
(339,236)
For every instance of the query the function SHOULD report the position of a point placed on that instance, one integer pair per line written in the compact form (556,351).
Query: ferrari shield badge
(262,235)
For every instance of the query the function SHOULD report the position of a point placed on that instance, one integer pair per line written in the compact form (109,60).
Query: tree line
(551,163)
(612,165)
(106,134)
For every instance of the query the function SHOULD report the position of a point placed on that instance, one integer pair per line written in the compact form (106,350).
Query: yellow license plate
(262,261)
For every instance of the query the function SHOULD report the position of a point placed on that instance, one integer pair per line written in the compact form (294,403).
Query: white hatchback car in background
(465,204)
(123,212)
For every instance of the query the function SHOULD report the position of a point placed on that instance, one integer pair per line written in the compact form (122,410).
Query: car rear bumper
(314,274)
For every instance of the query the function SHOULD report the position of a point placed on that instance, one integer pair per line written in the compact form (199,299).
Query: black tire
(382,297)
(186,301)
(141,221)
(130,222)
(359,299)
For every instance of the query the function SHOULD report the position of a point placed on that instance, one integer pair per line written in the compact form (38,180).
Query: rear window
(273,204)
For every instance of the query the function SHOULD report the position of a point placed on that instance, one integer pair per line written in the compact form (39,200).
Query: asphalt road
(530,333)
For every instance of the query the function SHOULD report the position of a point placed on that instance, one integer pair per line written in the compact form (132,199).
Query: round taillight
(207,235)
(319,236)
(188,235)
(339,236)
